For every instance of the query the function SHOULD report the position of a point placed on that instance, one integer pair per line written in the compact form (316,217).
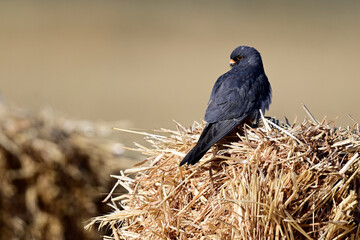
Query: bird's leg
(215,149)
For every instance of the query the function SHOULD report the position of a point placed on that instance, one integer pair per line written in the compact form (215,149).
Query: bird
(236,98)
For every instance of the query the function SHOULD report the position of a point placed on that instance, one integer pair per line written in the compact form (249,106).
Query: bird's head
(245,56)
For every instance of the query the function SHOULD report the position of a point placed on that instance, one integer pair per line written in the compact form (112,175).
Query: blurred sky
(154,61)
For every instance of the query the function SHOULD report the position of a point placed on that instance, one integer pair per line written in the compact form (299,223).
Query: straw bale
(53,174)
(277,181)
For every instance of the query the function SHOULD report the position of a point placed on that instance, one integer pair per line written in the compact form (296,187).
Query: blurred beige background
(154,61)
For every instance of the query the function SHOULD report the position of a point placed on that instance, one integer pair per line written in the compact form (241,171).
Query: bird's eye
(238,58)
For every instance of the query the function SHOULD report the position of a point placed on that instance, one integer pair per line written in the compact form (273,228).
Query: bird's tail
(212,133)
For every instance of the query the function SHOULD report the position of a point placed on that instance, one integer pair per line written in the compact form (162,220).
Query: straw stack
(277,181)
(53,174)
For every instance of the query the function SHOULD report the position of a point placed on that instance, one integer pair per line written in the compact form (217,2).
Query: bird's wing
(212,133)
(236,94)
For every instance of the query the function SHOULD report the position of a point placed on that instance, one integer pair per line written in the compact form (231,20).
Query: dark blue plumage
(236,98)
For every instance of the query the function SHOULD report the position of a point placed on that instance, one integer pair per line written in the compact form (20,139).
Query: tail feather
(212,133)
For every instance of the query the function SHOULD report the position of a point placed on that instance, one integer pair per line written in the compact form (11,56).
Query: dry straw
(277,181)
(53,174)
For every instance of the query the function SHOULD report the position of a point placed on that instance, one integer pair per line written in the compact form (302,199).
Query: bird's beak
(232,62)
